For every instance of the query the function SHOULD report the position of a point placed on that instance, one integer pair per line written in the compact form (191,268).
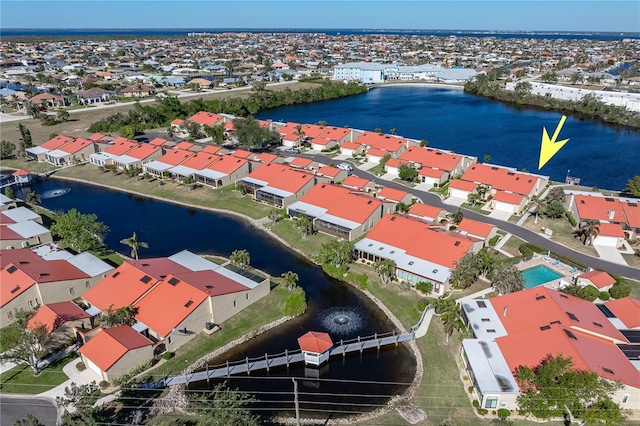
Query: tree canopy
(555,386)
(336,253)
(81,232)
(240,258)
(633,187)
(27,345)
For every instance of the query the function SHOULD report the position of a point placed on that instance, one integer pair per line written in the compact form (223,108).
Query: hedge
(591,293)
(620,289)
(604,296)
(503,413)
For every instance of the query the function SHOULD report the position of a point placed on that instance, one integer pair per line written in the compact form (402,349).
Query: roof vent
(573,316)
(607,370)
(15,289)
(570,334)
(189,303)
(457,243)
(545,327)
(540,297)
(115,274)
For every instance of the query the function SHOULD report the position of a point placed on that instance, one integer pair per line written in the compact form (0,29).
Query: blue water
(115,32)
(600,155)
(539,275)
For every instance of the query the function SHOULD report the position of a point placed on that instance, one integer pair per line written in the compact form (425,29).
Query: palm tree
(299,134)
(34,199)
(133,242)
(290,279)
(588,231)
(240,258)
(450,323)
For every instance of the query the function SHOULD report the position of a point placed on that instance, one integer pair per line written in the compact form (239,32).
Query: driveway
(74,376)
(610,254)
(15,408)
(500,215)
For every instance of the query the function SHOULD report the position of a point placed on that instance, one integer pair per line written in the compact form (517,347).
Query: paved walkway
(74,376)
(421,331)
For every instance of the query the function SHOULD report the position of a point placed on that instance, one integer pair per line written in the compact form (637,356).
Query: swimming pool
(538,275)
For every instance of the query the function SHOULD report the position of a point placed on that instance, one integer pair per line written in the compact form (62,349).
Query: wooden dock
(287,358)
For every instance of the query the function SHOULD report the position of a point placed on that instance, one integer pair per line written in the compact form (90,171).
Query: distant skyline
(500,15)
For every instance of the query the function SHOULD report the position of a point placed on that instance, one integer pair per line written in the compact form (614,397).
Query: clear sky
(525,15)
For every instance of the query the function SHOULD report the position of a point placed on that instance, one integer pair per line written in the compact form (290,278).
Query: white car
(345,166)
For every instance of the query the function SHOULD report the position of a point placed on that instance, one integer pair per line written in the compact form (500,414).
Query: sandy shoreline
(259,224)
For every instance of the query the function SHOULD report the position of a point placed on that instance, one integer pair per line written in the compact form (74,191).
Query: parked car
(292,151)
(345,166)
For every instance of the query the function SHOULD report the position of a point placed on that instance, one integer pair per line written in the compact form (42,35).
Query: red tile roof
(328,171)
(56,142)
(121,147)
(21,172)
(356,182)
(313,130)
(53,315)
(14,283)
(111,344)
(381,141)
(335,133)
(426,211)
(627,310)
(167,305)
(175,157)
(290,180)
(289,129)
(599,278)
(143,151)
(211,149)
(350,145)
(376,152)
(597,207)
(432,158)
(227,164)
(158,141)
(18,255)
(300,162)
(241,153)
(211,282)
(392,194)
(462,184)
(200,160)
(508,197)
(475,228)
(204,118)
(76,145)
(429,172)
(418,239)
(184,145)
(51,271)
(501,178)
(315,341)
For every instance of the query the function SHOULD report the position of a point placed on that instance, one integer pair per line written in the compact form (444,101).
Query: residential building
(421,250)
(277,184)
(226,170)
(523,328)
(165,163)
(338,211)
(590,206)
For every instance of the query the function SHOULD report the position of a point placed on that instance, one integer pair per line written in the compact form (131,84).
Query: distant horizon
(584,16)
(305,29)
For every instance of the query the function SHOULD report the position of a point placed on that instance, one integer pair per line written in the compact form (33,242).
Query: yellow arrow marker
(550,147)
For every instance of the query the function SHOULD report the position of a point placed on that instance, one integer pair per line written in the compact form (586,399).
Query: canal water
(169,228)
(601,155)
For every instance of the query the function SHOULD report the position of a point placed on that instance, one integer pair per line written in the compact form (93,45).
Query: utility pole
(295,400)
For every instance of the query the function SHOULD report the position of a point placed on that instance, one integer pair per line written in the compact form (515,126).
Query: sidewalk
(74,376)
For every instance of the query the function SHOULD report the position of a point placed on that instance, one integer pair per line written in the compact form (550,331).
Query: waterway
(601,155)
(169,228)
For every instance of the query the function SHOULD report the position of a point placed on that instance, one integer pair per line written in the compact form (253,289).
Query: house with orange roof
(338,211)
(392,144)
(136,158)
(38,152)
(28,283)
(330,174)
(351,148)
(434,177)
(525,327)
(480,230)
(611,235)
(162,166)
(114,351)
(199,161)
(436,159)
(291,134)
(461,189)
(60,318)
(375,155)
(588,206)
(277,184)
(508,202)
(226,170)
(427,212)
(337,134)
(322,144)
(22,177)
(356,183)
(422,250)
(119,147)
(623,313)
(394,197)
(303,163)
(599,279)
(77,150)
(204,118)
(507,179)
(99,137)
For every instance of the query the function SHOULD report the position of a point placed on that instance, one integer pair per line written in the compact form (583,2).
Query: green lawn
(477,208)
(512,244)
(20,379)
(264,311)
(226,198)
(286,230)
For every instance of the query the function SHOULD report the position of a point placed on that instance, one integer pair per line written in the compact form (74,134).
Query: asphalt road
(520,232)
(13,409)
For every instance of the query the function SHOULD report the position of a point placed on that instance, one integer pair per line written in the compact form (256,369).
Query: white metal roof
(489,367)
(20,214)
(89,264)
(483,318)
(275,191)
(56,153)
(340,221)
(193,261)
(254,181)
(28,229)
(37,150)
(210,174)
(157,165)
(183,171)
(308,209)
(415,265)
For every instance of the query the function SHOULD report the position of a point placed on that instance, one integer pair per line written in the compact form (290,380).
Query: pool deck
(567,271)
